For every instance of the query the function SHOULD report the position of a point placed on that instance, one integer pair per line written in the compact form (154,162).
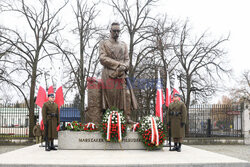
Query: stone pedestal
(81,140)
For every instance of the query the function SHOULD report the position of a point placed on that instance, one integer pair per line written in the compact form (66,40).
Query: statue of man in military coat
(115,60)
(176,118)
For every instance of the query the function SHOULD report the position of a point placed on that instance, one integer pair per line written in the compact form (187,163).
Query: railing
(14,119)
(215,121)
(203,120)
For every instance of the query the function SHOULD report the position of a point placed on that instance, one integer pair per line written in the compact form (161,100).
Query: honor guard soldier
(51,121)
(176,119)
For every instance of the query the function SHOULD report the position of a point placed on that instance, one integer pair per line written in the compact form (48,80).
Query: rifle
(46,135)
(169,135)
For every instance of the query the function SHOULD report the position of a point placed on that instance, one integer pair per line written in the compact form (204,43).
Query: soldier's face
(51,98)
(176,98)
(115,31)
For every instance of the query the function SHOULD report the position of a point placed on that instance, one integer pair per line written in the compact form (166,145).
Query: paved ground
(34,155)
(4,149)
(237,151)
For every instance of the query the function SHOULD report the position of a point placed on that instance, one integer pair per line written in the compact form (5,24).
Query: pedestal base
(81,140)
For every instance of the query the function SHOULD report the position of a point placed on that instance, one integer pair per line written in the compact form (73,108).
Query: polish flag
(176,86)
(159,99)
(41,99)
(168,92)
(59,99)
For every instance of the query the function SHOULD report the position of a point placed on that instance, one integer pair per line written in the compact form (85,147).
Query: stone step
(35,156)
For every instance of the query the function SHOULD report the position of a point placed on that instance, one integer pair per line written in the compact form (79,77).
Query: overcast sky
(220,17)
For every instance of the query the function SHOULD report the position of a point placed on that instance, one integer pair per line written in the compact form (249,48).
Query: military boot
(179,148)
(175,147)
(47,147)
(52,147)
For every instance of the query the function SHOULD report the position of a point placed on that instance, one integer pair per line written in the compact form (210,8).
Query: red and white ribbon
(154,134)
(119,127)
(91,124)
(134,127)
(109,126)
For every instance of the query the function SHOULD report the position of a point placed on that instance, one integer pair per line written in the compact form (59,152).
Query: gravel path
(237,151)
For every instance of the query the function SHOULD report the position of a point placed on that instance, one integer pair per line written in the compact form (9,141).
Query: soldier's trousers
(178,140)
(38,139)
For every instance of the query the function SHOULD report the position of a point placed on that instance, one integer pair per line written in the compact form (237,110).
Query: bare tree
(201,60)
(29,51)
(202,64)
(242,92)
(83,62)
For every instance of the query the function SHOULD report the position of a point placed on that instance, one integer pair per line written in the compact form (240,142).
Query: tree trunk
(188,103)
(31,105)
(82,106)
(131,50)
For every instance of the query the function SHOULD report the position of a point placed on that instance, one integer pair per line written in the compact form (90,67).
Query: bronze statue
(115,60)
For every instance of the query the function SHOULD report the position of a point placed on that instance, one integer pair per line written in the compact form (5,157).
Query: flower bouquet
(113,126)
(152,132)
(136,127)
(90,127)
(74,126)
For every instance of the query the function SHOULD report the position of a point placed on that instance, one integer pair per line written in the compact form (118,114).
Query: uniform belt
(174,113)
(52,114)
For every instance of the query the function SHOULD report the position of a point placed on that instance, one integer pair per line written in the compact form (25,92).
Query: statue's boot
(129,120)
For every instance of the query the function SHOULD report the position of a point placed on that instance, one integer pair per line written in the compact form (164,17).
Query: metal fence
(203,120)
(14,119)
(215,121)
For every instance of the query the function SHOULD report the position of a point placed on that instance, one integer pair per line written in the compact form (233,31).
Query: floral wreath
(152,132)
(113,126)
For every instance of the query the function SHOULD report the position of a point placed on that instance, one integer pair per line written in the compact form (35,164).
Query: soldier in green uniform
(176,118)
(51,121)
(37,133)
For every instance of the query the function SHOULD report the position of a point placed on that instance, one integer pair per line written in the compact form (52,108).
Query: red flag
(176,87)
(59,97)
(40,100)
(159,99)
(51,90)
(168,92)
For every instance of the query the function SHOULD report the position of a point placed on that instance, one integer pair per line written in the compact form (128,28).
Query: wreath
(113,126)
(152,132)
